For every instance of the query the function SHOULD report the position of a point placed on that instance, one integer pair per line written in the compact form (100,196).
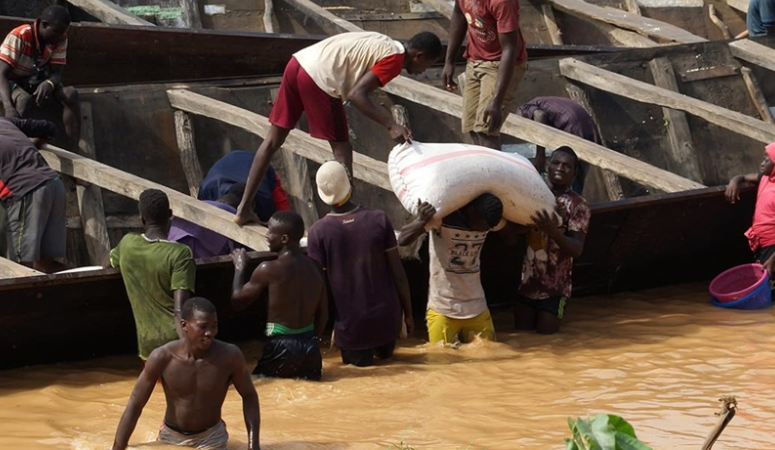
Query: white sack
(449,176)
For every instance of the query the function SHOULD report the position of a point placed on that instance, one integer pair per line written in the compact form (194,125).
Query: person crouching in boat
(159,275)
(551,247)
(761,235)
(195,372)
(298,302)
(457,309)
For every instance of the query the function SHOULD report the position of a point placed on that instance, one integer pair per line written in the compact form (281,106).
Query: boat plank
(364,168)
(756,94)
(189,158)
(443,7)
(754,53)
(109,12)
(644,92)
(322,16)
(132,186)
(10,269)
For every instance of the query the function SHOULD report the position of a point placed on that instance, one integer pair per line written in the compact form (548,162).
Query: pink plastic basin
(737,282)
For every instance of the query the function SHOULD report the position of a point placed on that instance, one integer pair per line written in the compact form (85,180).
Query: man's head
(54,23)
(200,322)
(484,213)
(155,209)
(233,196)
(424,50)
(562,167)
(333,184)
(286,228)
(768,162)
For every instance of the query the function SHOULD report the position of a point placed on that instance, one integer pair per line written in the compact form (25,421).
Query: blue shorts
(553,305)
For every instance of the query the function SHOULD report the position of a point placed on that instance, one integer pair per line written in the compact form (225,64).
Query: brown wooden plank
(92,213)
(629,21)
(323,17)
(644,92)
(740,5)
(680,148)
(365,168)
(757,96)
(10,269)
(268,16)
(191,17)
(754,53)
(189,158)
(718,22)
(706,73)
(109,12)
(132,186)
(551,24)
(549,137)
(444,7)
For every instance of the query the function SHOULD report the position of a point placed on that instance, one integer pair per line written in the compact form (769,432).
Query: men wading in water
(195,373)
(456,302)
(551,247)
(298,305)
(357,248)
(319,78)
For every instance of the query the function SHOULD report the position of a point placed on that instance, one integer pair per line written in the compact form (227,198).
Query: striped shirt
(21,50)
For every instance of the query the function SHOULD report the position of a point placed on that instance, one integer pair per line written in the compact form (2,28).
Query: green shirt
(152,271)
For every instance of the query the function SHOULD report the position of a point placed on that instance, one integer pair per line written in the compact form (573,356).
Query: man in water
(33,195)
(761,235)
(203,242)
(298,304)
(551,247)
(195,371)
(497,61)
(457,309)
(31,61)
(319,78)
(369,295)
(159,275)
(566,115)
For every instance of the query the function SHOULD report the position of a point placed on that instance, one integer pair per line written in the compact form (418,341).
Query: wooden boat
(667,229)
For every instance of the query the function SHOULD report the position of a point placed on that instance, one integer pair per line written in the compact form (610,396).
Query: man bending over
(195,373)
(298,305)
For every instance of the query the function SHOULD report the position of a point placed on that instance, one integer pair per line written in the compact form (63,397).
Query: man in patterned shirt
(551,247)
(32,57)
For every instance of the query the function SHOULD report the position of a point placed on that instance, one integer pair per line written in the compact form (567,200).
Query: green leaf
(620,425)
(604,433)
(570,445)
(627,442)
(588,435)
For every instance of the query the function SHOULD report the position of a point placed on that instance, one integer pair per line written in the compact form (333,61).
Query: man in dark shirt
(357,248)
(33,196)
(566,115)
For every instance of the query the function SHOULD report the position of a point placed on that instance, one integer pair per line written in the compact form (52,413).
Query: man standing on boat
(33,195)
(761,235)
(457,309)
(497,60)
(760,19)
(159,275)
(31,61)
(298,303)
(357,248)
(195,372)
(566,115)
(551,247)
(319,78)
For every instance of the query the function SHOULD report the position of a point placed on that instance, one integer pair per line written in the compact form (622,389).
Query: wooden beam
(10,269)
(365,168)
(624,38)
(549,137)
(268,16)
(754,53)
(718,22)
(646,26)
(680,149)
(132,186)
(95,229)
(647,93)
(632,7)
(323,17)
(740,5)
(189,158)
(551,24)
(191,17)
(299,184)
(444,7)
(613,187)
(109,12)
(756,94)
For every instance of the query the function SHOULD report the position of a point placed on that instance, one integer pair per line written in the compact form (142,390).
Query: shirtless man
(195,373)
(298,304)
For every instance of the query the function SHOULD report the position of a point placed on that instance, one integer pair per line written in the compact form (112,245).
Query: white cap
(333,183)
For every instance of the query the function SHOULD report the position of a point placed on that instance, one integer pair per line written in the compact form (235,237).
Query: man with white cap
(357,248)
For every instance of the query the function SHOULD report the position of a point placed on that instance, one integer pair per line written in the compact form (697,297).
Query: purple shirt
(352,249)
(203,242)
(564,114)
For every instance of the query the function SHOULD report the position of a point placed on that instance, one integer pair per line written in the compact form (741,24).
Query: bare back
(295,290)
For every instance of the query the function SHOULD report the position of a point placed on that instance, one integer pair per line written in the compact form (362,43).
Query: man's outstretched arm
(250,406)
(359,96)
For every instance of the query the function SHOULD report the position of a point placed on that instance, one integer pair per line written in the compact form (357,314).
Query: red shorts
(298,93)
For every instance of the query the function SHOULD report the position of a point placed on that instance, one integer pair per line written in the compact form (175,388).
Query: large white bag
(449,176)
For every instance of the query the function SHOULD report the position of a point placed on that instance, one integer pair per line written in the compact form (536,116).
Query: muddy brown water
(660,358)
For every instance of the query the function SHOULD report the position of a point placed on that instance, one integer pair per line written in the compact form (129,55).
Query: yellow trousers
(447,330)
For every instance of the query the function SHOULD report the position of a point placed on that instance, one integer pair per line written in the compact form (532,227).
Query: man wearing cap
(320,78)
(356,246)
(761,235)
